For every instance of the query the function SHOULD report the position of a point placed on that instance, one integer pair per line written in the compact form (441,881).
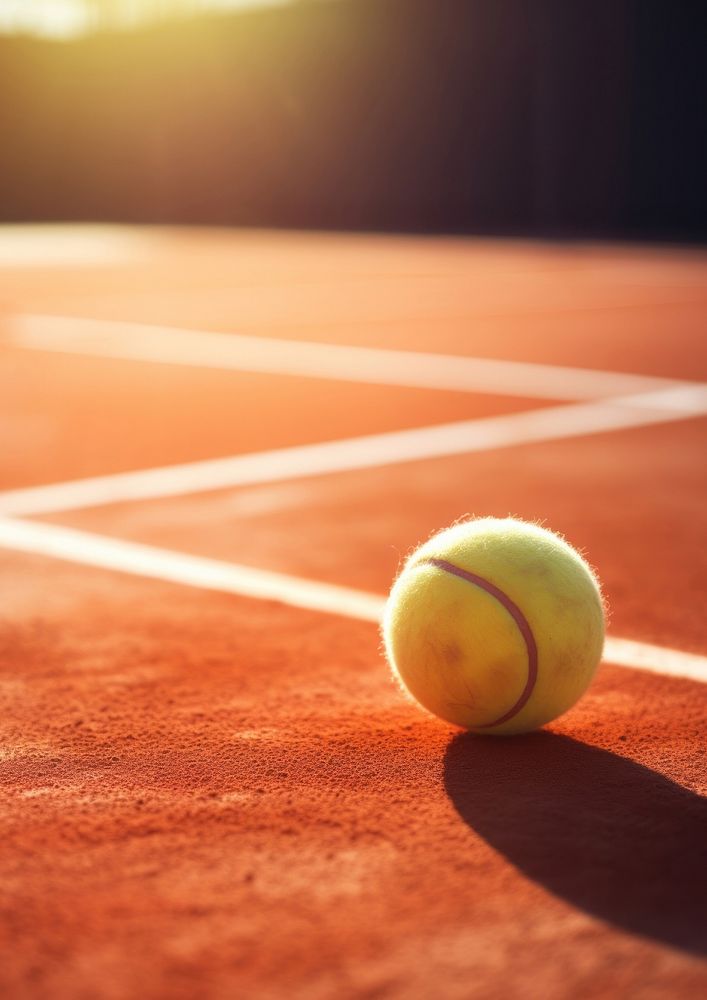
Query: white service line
(99,551)
(371,451)
(412,369)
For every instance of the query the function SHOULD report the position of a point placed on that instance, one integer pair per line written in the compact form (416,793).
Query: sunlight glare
(61,19)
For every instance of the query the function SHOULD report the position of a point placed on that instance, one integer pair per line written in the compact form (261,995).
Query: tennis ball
(496,625)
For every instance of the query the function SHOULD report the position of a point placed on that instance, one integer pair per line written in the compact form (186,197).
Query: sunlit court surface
(211,781)
(268,321)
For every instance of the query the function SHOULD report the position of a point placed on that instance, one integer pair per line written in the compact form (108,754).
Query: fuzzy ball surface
(496,625)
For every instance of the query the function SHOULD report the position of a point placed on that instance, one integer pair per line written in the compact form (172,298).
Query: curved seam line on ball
(521,622)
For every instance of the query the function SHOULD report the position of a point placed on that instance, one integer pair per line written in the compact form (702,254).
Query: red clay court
(217,447)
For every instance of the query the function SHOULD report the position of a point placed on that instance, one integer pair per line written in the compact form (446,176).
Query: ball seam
(521,622)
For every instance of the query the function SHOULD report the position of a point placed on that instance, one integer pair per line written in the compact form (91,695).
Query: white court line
(657,659)
(88,549)
(412,369)
(371,451)
(65,246)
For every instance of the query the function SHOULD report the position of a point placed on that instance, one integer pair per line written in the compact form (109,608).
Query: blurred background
(580,118)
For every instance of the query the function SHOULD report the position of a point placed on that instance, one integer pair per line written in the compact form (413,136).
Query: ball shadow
(610,836)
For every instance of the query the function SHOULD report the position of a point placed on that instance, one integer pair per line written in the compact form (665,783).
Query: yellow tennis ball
(496,625)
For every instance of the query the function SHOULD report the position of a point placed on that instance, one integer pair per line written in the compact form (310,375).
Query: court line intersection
(609,401)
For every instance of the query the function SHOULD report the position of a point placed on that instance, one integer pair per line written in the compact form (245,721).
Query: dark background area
(539,117)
